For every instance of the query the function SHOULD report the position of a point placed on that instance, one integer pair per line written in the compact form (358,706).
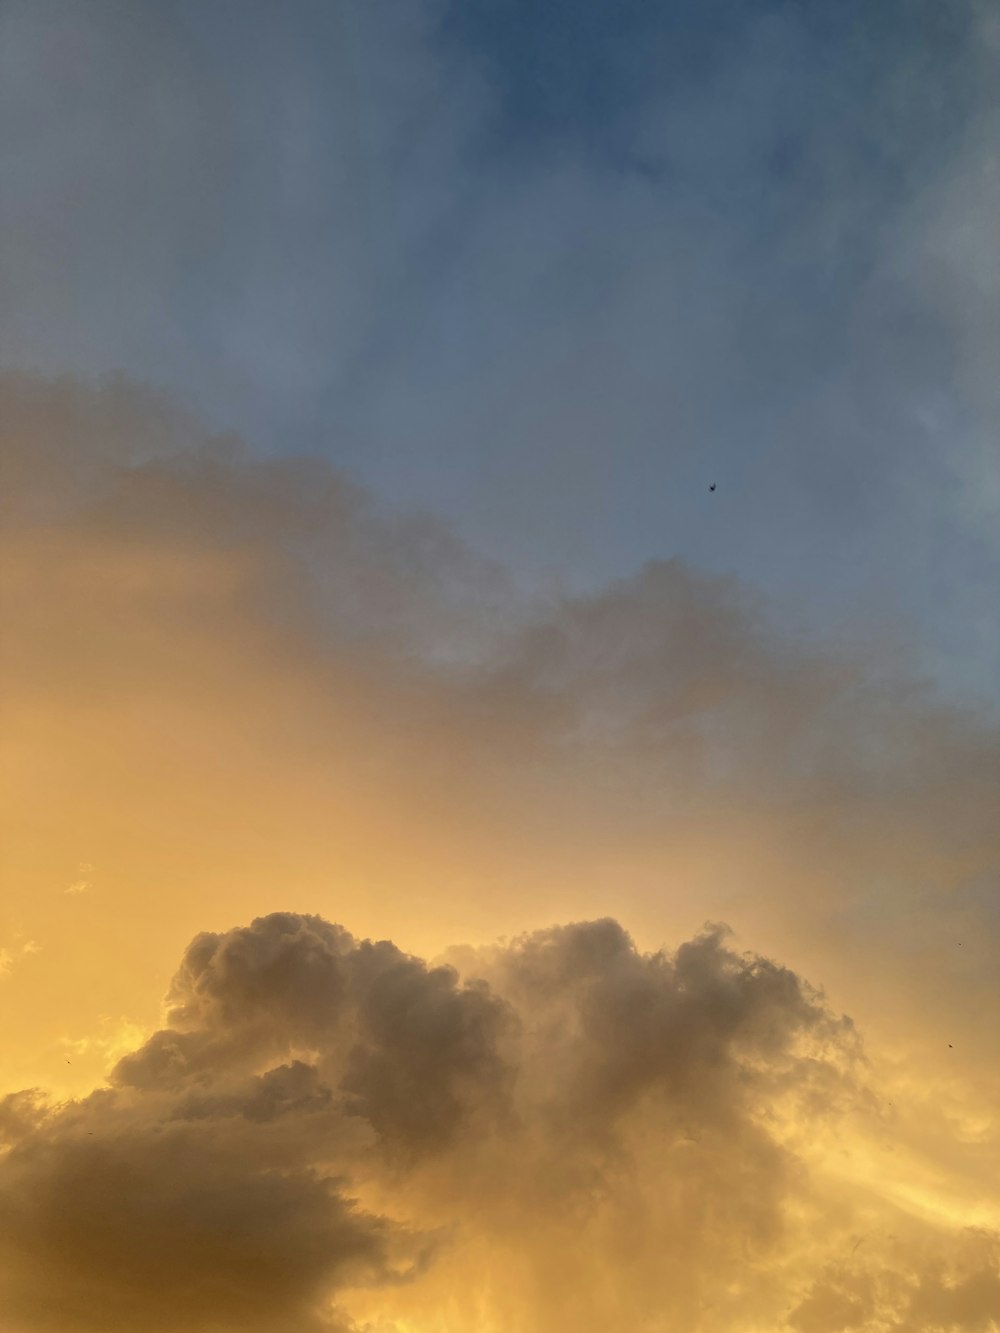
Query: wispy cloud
(12,956)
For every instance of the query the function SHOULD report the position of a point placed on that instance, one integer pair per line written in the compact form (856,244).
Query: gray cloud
(162,1213)
(317,1150)
(210,1187)
(418,1051)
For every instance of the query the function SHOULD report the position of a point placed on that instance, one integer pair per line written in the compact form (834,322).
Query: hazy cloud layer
(551,269)
(254,650)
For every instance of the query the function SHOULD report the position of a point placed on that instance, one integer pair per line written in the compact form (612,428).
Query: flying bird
(712,487)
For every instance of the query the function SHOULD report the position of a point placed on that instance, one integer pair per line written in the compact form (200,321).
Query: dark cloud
(212,1185)
(199,1193)
(416,1050)
(157,1221)
(688,1030)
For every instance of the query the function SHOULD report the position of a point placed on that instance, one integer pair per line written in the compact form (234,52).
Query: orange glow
(197,732)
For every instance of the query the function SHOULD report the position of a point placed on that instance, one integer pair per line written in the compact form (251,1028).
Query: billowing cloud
(212,1185)
(418,1053)
(208,1187)
(330,1130)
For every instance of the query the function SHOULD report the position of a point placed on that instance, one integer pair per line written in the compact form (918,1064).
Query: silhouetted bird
(950,1047)
(712,487)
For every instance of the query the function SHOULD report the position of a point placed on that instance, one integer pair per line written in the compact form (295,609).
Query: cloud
(11,957)
(228,675)
(330,1132)
(550,274)
(256,649)
(145,1217)
(949,1289)
(419,1052)
(214,1184)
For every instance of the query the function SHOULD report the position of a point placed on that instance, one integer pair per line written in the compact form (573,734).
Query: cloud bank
(230,678)
(551,269)
(328,1132)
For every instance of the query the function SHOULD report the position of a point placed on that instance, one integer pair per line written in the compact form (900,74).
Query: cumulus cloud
(118,1214)
(208,1187)
(329,1132)
(227,1177)
(418,1052)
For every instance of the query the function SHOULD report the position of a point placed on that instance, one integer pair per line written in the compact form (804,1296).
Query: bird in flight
(712,487)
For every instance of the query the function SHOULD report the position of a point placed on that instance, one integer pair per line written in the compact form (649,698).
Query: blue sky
(551,269)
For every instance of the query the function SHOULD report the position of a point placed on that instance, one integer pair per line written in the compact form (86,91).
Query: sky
(461,873)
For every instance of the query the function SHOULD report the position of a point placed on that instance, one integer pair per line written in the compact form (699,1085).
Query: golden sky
(384,949)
